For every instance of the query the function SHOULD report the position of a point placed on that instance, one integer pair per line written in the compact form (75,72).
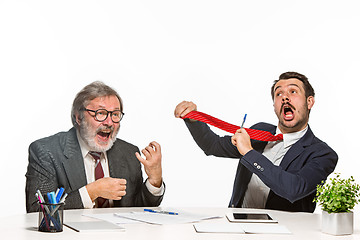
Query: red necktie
(253,133)
(99,173)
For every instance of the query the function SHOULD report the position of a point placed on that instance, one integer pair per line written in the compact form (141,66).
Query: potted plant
(337,198)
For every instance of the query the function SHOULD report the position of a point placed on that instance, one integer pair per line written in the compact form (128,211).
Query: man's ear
(310,102)
(78,119)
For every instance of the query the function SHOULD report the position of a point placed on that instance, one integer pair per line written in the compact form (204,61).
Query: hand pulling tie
(231,128)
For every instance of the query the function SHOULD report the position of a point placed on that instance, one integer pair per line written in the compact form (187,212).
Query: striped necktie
(253,133)
(99,173)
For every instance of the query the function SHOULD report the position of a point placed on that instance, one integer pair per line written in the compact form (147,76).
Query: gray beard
(89,136)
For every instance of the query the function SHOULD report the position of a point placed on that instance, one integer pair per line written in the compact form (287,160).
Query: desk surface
(302,225)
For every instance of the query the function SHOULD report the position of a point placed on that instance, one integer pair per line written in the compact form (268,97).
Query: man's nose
(108,121)
(285,98)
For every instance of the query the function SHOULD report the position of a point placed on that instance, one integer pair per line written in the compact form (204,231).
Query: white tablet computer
(250,217)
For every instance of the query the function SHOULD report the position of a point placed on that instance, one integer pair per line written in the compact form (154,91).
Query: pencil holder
(51,217)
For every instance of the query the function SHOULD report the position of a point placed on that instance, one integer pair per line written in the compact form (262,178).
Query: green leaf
(337,195)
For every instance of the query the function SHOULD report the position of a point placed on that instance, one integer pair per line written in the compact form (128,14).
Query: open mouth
(288,112)
(104,135)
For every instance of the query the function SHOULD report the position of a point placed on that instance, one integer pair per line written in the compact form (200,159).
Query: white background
(223,55)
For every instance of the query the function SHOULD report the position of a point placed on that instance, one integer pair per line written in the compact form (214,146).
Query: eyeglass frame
(111,114)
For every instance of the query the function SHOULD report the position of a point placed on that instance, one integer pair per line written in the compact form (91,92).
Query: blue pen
(149,210)
(59,194)
(243,121)
(163,212)
(54,215)
(53,198)
(57,207)
(50,200)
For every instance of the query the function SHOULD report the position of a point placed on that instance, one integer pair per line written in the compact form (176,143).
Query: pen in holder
(51,217)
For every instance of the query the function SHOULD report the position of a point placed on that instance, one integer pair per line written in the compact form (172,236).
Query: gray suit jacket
(56,161)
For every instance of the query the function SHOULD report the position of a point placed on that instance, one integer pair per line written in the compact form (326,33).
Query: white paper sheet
(161,218)
(110,217)
(268,228)
(264,228)
(218,228)
(93,226)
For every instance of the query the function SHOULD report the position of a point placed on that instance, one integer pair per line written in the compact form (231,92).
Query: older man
(282,174)
(94,167)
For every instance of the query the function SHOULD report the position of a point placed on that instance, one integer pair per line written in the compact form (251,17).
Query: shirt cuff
(155,190)
(85,198)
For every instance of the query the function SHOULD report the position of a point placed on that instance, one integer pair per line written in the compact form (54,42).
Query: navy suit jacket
(56,161)
(292,184)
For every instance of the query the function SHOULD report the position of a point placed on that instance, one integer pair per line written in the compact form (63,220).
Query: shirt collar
(291,138)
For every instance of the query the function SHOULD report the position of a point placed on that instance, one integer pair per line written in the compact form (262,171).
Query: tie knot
(280,137)
(95,155)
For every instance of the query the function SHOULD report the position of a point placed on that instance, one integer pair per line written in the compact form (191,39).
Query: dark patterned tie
(253,133)
(99,173)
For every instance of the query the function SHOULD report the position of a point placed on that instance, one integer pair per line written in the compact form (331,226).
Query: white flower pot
(337,223)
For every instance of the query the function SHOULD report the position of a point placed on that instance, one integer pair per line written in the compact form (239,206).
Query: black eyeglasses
(102,114)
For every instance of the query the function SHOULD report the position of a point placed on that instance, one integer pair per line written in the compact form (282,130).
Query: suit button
(258,167)
(262,169)
(255,164)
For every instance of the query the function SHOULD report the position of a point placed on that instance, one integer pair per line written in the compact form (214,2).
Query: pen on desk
(171,213)
(163,212)
(242,125)
(149,210)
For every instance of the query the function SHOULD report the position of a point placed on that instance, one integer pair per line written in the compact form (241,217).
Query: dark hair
(88,93)
(309,91)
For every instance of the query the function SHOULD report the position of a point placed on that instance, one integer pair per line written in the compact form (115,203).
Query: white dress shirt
(257,192)
(90,165)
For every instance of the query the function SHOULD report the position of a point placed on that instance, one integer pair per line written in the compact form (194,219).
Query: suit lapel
(116,165)
(297,149)
(291,155)
(73,162)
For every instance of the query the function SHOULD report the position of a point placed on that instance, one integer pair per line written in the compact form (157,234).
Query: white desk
(304,226)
